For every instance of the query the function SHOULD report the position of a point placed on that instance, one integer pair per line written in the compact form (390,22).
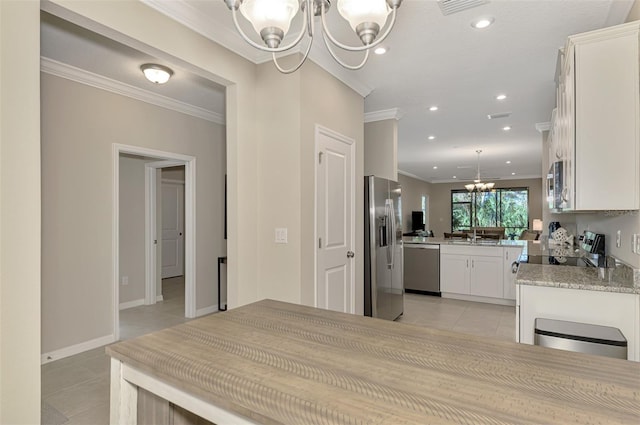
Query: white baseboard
(76,349)
(159,298)
(474,298)
(131,304)
(206,310)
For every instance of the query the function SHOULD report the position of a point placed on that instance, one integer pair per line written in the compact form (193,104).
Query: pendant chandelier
(271,20)
(478,185)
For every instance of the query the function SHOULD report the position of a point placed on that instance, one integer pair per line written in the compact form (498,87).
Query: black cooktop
(556,261)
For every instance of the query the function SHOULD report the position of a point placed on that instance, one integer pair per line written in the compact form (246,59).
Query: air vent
(449,7)
(499,115)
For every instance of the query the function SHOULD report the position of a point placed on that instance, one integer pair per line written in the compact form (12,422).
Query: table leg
(124,397)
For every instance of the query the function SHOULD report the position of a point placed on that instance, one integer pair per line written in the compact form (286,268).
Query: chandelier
(478,185)
(271,20)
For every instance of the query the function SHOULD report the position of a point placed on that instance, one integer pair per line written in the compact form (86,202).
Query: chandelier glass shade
(271,20)
(478,185)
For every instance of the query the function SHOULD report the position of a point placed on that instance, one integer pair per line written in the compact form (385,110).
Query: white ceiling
(432,60)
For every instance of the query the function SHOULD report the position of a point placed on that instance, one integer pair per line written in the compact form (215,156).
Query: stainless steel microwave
(555,185)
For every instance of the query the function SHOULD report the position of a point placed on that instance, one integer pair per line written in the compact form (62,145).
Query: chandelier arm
(295,68)
(357,48)
(337,59)
(246,38)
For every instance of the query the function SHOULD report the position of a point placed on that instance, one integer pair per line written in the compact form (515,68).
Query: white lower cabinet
(469,270)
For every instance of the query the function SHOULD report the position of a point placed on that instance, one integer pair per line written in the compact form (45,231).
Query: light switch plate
(618,239)
(281,235)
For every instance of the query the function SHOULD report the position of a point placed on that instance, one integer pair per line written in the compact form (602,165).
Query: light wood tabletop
(280,363)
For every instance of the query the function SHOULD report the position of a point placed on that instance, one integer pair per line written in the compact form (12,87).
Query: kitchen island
(579,294)
(277,363)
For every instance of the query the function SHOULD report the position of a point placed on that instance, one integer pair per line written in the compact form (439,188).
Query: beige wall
(132,229)
(19,212)
(286,138)
(381,149)
(173,173)
(634,13)
(78,134)
(412,192)
(441,201)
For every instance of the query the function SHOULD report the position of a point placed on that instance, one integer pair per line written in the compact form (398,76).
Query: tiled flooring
(78,386)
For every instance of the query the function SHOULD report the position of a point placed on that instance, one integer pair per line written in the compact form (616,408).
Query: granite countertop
(411,240)
(280,363)
(619,279)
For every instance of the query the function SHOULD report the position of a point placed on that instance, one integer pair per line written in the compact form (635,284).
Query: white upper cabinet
(597,126)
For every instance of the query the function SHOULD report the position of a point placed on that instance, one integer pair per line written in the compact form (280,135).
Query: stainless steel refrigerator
(383,285)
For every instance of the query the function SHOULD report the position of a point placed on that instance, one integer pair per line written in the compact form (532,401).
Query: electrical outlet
(281,235)
(618,239)
(124,280)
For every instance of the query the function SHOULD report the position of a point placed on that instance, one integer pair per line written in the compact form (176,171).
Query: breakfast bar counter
(278,363)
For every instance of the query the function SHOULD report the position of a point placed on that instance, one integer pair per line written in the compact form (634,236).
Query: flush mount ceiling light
(478,185)
(157,74)
(271,19)
(431,137)
(501,97)
(380,50)
(482,23)
(506,128)
(433,108)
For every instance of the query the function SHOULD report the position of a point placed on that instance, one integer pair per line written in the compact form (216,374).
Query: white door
(335,281)
(172,229)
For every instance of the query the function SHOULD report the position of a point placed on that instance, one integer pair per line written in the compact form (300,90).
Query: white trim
(159,298)
(131,304)
(387,114)
(82,76)
(543,126)
(352,145)
(207,310)
(72,350)
(475,298)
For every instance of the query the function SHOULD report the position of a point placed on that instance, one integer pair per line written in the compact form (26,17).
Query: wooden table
(278,363)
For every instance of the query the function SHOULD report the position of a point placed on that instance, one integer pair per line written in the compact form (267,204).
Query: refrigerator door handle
(387,219)
(392,219)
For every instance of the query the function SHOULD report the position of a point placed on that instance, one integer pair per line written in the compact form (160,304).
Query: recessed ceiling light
(433,108)
(501,97)
(380,50)
(482,23)
(454,177)
(431,137)
(506,128)
(435,167)
(513,174)
(508,162)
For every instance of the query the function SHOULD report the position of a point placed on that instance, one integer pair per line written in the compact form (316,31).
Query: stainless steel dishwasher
(422,268)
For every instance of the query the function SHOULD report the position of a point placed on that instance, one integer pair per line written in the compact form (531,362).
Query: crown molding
(387,114)
(82,76)
(543,126)
(413,176)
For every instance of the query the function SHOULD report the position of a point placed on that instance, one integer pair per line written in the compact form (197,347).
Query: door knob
(350,254)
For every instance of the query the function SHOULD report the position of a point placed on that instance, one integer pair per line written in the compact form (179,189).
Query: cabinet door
(486,277)
(607,123)
(454,273)
(509,278)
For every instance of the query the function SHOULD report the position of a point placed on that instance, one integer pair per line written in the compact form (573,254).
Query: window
(508,208)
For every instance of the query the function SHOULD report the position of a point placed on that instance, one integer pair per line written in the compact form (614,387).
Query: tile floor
(78,387)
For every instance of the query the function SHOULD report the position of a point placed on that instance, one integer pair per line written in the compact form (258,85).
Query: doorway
(153,162)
